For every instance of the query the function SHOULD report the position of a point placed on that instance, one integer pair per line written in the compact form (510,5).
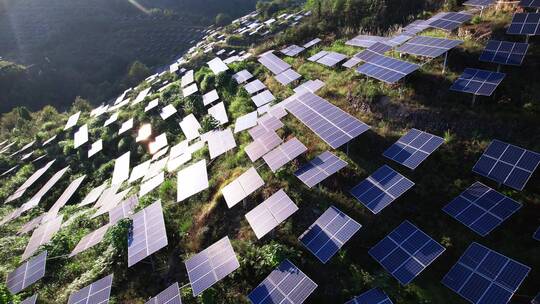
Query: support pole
(481,11)
(347,148)
(498,68)
(473,100)
(444,64)
(527,38)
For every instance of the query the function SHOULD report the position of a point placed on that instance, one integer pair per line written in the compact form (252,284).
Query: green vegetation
(421,101)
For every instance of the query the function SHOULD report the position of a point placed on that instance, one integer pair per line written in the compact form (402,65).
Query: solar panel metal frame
(320,168)
(482,275)
(426,46)
(387,69)
(148,233)
(285,283)
(171,295)
(525,24)
(97,292)
(409,245)
(372,296)
(325,237)
(505,163)
(504,52)
(413,148)
(27,274)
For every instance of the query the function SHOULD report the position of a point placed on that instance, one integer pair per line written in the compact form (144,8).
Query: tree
(81,104)
(137,72)
(223,19)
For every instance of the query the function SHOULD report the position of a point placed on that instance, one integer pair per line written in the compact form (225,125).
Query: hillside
(197,214)
(84,48)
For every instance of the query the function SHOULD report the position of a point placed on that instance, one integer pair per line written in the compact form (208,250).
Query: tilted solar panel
(41,236)
(80,137)
(381,188)
(273,63)
(171,295)
(95,148)
(368,54)
(449,21)
(287,76)
(90,240)
(478,82)
(151,184)
(330,59)
(312,43)
(263,98)
(126,125)
(123,210)
(147,234)
(365,40)
(121,169)
(431,47)
(406,252)
(387,69)
(255,86)
(413,148)
(27,274)
(270,213)
(242,76)
(309,86)
(318,56)
(481,208)
(504,52)
(211,265)
(480,3)
(263,144)
(245,122)
(29,182)
(242,187)
(329,233)
(320,168)
(485,276)
(219,142)
(30,300)
(192,180)
(507,164)
(219,113)
(372,296)
(284,153)
(530,3)
(210,97)
(95,293)
(525,24)
(536,234)
(190,127)
(285,284)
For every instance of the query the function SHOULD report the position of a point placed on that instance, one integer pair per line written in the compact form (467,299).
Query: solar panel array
(309,86)
(329,59)
(431,47)
(211,265)
(485,276)
(372,296)
(406,252)
(27,274)
(81,136)
(242,187)
(95,148)
(167,111)
(148,233)
(64,198)
(72,121)
(481,208)
(287,76)
(333,125)
(525,24)
(210,97)
(192,180)
(449,21)
(41,236)
(273,63)
(478,82)
(504,52)
(507,164)
(387,69)
(93,195)
(270,213)
(95,293)
(171,295)
(329,233)
(284,153)
(190,90)
(285,284)
(187,78)
(320,168)
(413,148)
(217,65)
(90,240)
(151,184)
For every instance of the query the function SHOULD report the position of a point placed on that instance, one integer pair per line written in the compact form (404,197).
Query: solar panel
(333,125)
(48,186)
(292,50)
(525,24)
(287,76)
(329,233)
(155,168)
(190,127)
(28,145)
(367,54)
(30,300)
(29,182)
(406,252)
(312,43)
(123,210)
(147,234)
(219,142)
(481,208)
(263,144)
(430,47)
(273,63)
(483,275)
(48,141)
(127,125)
(144,132)
(318,56)
(141,96)
(72,121)
(210,97)
(151,184)
(187,78)
(42,235)
(387,69)
(449,21)
(309,86)
(109,200)
(93,195)
(64,198)
(398,39)
(478,82)
(95,293)
(219,113)
(480,3)
(245,122)
(31,225)
(152,104)
(413,148)
(90,240)
(507,164)
(217,65)
(415,27)
(159,143)
(536,234)
(372,296)
(95,148)
(175,163)
(211,265)
(320,168)
(112,118)
(365,40)
(265,124)
(242,76)
(285,284)
(121,169)
(107,195)
(192,180)
(381,188)
(284,153)
(8,171)
(242,187)
(504,52)
(263,98)
(530,3)
(171,295)
(270,213)
(167,111)
(331,59)
(254,86)
(27,274)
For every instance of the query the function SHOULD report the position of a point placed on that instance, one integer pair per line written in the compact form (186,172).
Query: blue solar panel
(478,82)
(525,24)
(530,3)
(413,148)
(480,3)
(387,69)
(507,164)
(504,52)
(286,284)
(481,208)
(406,252)
(428,46)
(381,188)
(329,233)
(536,234)
(372,296)
(484,276)
(320,168)
(449,21)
